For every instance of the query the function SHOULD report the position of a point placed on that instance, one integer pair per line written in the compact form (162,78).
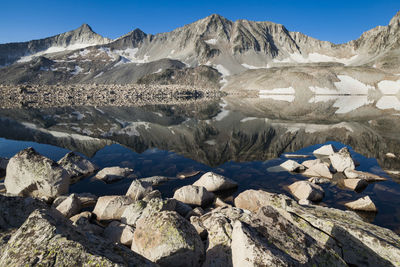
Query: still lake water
(239,138)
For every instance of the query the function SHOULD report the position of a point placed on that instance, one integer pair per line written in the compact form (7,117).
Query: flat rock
(119,233)
(362,204)
(369,177)
(114,174)
(46,238)
(355,184)
(168,240)
(342,160)
(111,207)
(70,206)
(307,190)
(292,166)
(139,189)
(344,231)
(325,150)
(194,195)
(77,166)
(215,182)
(31,174)
(318,170)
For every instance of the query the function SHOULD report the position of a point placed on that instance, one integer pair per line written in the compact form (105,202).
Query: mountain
(81,37)
(231,48)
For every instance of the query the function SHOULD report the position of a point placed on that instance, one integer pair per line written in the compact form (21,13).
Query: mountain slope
(81,37)
(229,47)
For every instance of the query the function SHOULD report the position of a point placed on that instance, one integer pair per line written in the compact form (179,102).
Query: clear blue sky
(336,21)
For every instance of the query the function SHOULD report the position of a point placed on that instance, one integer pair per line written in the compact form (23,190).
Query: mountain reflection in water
(238,137)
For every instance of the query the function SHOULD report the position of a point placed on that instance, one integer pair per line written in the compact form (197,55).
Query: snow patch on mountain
(211,41)
(250,67)
(314,58)
(388,102)
(287,98)
(349,85)
(53,49)
(350,103)
(278,91)
(389,87)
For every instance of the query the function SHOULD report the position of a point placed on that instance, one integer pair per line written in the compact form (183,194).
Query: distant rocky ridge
(216,43)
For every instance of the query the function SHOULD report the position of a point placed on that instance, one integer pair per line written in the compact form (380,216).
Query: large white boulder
(318,170)
(77,166)
(342,160)
(194,195)
(307,190)
(362,204)
(31,174)
(168,239)
(215,182)
(111,207)
(326,150)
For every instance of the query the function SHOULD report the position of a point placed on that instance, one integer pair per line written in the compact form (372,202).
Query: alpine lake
(241,138)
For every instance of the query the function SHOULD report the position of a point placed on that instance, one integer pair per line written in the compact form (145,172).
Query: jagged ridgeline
(195,54)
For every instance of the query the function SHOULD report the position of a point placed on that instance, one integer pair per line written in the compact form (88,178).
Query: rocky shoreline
(42,224)
(46,96)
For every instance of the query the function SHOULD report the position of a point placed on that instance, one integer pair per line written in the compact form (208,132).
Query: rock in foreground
(47,239)
(31,174)
(344,231)
(168,239)
(362,204)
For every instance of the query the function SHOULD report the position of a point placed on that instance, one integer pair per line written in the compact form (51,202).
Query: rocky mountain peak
(395,20)
(85,28)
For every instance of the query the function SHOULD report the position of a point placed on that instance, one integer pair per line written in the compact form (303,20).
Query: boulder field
(45,226)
